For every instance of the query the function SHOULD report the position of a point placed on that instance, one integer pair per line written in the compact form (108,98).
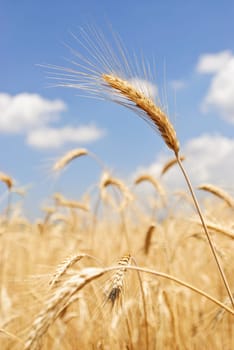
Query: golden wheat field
(119,270)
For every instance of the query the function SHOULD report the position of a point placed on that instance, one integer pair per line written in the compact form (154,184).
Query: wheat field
(119,270)
(57,291)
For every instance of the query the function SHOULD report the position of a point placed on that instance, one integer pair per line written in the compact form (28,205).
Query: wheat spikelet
(148,237)
(153,113)
(108,180)
(118,280)
(56,304)
(217,228)
(63,267)
(154,182)
(170,164)
(7,180)
(62,201)
(218,192)
(62,162)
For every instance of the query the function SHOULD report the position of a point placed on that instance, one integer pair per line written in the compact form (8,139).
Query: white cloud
(209,158)
(145,86)
(32,115)
(25,111)
(212,63)
(49,137)
(220,94)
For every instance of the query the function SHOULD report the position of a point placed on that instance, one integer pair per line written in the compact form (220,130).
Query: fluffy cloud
(209,158)
(49,137)
(32,115)
(25,111)
(212,63)
(220,95)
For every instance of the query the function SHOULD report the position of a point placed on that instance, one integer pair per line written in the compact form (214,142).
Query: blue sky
(192,48)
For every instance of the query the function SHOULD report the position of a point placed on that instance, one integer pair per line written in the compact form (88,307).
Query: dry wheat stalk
(7,180)
(63,161)
(218,192)
(170,164)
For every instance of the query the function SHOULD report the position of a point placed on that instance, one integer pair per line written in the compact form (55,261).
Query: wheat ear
(63,161)
(156,184)
(170,164)
(7,180)
(118,280)
(56,304)
(155,114)
(218,192)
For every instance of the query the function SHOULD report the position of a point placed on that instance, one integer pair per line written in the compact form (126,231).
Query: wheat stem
(211,244)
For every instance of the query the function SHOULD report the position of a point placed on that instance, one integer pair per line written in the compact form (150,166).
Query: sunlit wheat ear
(170,164)
(218,192)
(56,303)
(117,281)
(65,265)
(60,200)
(7,180)
(148,237)
(217,228)
(133,98)
(156,184)
(106,181)
(67,158)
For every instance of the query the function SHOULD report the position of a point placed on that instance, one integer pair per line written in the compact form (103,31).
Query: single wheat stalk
(218,192)
(211,244)
(170,164)
(68,157)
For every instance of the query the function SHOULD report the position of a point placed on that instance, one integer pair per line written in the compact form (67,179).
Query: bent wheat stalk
(218,192)
(170,164)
